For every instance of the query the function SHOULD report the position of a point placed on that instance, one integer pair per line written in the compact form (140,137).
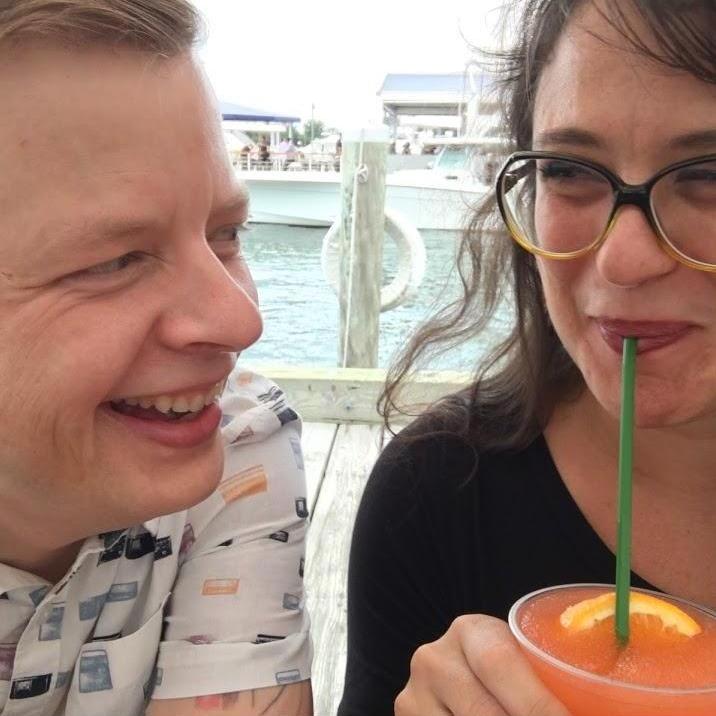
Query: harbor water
(300,310)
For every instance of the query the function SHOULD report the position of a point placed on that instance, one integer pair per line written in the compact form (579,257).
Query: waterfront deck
(338,460)
(342,437)
(343,433)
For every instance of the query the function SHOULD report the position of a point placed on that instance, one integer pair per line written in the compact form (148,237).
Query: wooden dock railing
(349,395)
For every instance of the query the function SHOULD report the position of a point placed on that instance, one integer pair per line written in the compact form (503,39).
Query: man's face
(120,278)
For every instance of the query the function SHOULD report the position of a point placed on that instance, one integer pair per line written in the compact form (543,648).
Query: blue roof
(232,111)
(450,82)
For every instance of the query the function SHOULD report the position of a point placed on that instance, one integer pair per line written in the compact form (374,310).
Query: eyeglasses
(562,207)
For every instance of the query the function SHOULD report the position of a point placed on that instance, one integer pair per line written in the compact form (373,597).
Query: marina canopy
(240,113)
(444,94)
(237,117)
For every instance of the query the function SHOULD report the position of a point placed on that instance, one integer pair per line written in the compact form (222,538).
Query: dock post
(363,167)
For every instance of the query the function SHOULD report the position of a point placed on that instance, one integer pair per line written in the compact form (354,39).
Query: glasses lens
(684,204)
(556,205)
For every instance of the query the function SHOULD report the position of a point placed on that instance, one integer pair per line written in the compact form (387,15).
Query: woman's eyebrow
(572,136)
(701,139)
(704,139)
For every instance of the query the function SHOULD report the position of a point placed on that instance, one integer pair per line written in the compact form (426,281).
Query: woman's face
(634,117)
(121,280)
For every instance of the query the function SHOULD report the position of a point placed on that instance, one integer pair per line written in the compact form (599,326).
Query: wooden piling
(363,166)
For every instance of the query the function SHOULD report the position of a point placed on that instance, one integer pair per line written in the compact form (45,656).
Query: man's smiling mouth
(184,407)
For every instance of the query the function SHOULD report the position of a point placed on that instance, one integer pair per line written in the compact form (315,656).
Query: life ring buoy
(411,260)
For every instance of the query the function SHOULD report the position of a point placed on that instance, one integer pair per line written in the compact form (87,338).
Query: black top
(440,533)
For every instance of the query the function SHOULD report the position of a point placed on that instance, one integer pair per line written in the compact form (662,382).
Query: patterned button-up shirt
(208,600)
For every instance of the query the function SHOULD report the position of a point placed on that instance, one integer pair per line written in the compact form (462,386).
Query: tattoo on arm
(218,702)
(289,698)
(279,693)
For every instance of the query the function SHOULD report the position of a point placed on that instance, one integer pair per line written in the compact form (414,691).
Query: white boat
(307,192)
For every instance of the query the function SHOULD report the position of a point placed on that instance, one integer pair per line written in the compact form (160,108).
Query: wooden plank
(317,442)
(354,452)
(349,395)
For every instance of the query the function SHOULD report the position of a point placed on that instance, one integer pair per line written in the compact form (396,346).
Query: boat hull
(283,197)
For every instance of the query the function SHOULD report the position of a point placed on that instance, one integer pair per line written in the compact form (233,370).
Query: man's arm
(287,700)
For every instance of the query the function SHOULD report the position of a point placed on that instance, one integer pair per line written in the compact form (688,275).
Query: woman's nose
(211,306)
(631,253)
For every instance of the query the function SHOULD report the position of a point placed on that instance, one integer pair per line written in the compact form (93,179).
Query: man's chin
(162,489)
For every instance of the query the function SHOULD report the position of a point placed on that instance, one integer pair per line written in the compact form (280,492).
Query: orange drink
(668,667)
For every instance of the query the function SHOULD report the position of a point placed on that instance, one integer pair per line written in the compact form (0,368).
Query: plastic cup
(589,694)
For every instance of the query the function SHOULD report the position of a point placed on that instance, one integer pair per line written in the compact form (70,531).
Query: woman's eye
(698,174)
(110,267)
(562,170)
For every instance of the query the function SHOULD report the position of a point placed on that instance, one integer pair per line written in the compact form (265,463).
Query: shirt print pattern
(109,636)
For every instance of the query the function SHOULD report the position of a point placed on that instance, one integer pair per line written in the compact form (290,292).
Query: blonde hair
(162,27)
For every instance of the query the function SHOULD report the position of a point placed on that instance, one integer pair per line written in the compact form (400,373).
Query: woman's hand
(475,669)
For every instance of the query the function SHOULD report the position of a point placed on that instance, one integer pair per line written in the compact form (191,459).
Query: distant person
(282,150)
(300,153)
(264,153)
(290,152)
(244,155)
(406,148)
(339,153)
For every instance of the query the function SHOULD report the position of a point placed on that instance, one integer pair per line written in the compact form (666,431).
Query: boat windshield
(452,158)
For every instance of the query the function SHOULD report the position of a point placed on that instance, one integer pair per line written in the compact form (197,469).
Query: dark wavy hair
(518,383)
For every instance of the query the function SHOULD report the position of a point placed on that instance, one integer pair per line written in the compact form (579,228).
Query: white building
(421,106)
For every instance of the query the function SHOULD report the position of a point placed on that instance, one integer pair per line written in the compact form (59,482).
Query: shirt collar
(152,526)
(13,578)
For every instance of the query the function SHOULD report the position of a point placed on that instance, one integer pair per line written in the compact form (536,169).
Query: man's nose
(631,253)
(211,307)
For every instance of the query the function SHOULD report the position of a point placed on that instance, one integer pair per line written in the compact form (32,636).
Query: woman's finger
(409,703)
(497,661)
(441,682)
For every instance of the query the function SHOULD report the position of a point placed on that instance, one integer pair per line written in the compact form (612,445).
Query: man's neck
(50,565)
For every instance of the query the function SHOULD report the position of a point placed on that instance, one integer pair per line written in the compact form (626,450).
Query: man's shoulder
(254,408)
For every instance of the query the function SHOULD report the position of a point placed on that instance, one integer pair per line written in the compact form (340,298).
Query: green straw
(626,441)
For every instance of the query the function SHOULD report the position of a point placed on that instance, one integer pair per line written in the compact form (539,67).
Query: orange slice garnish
(589,612)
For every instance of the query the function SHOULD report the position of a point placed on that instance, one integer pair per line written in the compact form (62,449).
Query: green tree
(312,129)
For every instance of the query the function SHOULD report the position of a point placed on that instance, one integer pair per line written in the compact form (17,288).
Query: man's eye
(230,233)
(227,240)
(109,267)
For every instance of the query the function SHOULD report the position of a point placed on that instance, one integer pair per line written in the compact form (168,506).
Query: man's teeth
(190,403)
